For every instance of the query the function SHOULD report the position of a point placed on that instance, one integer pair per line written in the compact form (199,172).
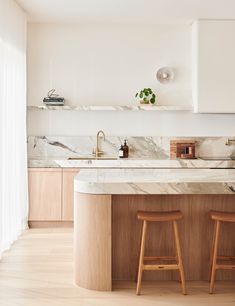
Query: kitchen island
(107,233)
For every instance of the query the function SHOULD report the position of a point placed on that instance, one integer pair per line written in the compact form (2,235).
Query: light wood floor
(38,271)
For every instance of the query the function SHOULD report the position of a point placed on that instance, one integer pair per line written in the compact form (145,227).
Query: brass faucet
(229,142)
(98,151)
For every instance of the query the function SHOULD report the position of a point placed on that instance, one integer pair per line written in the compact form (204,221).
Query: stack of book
(53,99)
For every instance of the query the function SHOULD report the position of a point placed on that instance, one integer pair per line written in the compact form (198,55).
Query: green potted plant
(146,96)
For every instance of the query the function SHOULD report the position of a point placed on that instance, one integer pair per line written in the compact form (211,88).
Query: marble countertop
(155,181)
(129,163)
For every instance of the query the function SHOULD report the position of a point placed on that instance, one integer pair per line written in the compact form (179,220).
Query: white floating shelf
(112,108)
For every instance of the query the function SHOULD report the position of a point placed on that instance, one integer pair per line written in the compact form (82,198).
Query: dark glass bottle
(121,152)
(126,149)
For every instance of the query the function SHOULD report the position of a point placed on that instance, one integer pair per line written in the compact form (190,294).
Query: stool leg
(179,256)
(141,258)
(215,251)
(212,251)
(139,248)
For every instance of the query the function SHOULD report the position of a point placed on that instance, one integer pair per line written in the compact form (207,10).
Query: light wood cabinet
(68,193)
(51,194)
(45,190)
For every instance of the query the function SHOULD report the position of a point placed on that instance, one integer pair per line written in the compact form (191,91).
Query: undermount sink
(93,158)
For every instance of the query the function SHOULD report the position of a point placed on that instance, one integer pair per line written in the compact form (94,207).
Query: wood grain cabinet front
(51,194)
(45,194)
(68,193)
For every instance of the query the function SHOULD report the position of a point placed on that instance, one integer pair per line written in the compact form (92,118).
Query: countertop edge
(135,181)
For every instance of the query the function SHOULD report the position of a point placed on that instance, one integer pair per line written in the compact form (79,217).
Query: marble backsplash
(140,147)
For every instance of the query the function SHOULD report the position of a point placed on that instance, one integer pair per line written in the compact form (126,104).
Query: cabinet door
(214,66)
(68,193)
(45,194)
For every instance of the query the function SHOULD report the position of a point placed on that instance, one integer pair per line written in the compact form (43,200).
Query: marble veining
(112,107)
(155,181)
(53,151)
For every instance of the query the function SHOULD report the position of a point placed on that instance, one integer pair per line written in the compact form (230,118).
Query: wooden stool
(171,216)
(219,217)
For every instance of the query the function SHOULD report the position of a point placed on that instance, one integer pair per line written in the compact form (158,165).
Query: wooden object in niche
(182,149)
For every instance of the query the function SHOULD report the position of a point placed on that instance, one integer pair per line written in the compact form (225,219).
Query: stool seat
(222,216)
(153,216)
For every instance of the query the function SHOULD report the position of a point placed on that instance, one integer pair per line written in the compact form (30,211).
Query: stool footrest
(160,267)
(150,258)
(225,267)
(228,258)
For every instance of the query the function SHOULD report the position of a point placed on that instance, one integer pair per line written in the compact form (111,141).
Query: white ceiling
(127,11)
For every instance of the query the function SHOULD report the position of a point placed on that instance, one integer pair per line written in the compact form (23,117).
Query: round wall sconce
(165,75)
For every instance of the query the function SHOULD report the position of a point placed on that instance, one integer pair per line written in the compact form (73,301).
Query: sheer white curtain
(13,154)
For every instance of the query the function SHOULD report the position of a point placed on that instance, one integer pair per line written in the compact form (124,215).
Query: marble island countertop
(155,181)
(128,163)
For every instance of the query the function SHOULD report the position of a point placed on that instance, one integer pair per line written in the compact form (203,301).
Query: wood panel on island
(51,196)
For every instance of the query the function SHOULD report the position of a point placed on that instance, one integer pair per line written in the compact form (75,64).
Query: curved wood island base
(107,236)
(92,242)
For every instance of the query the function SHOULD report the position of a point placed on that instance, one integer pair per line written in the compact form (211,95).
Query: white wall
(126,123)
(107,64)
